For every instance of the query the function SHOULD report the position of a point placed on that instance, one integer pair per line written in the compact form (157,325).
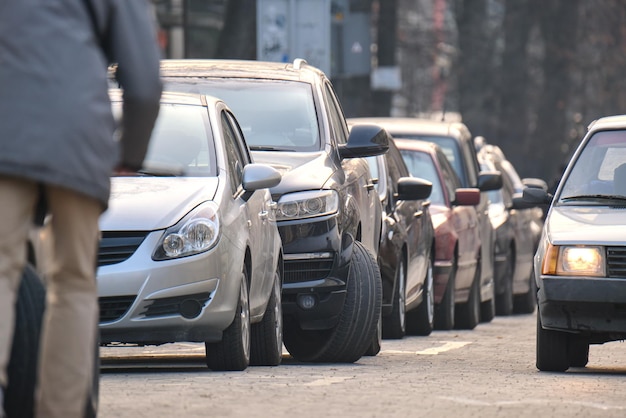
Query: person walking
(57,137)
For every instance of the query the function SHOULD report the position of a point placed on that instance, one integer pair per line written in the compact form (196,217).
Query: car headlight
(307,204)
(576,260)
(195,233)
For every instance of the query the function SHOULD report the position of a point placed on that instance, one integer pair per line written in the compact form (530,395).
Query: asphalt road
(487,372)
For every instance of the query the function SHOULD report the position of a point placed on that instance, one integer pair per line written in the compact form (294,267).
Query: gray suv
(328,212)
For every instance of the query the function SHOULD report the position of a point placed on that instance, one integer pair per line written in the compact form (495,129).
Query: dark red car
(457,235)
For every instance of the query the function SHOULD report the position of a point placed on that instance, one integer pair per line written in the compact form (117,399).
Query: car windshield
(599,172)
(181,143)
(274,115)
(421,165)
(449,147)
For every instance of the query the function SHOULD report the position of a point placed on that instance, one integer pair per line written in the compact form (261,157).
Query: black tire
(444,311)
(233,352)
(22,368)
(504,296)
(578,352)
(350,338)
(552,349)
(266,345)
(525,303)
(467,315)
(394,325)
(377,340)
(421,321)
(488,308)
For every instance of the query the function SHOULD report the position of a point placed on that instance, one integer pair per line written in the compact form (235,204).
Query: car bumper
(584,305)
(316,264)
(154,302)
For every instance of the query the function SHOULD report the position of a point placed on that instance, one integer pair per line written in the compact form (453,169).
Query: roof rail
(298,63)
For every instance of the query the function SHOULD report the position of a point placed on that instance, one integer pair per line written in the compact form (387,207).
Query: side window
(472,161)
(233,153)
(450,180)
(337,119)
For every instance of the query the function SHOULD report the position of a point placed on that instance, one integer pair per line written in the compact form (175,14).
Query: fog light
(307,301)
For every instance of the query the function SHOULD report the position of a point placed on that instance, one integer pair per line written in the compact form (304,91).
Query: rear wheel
(526,302)
(233,352)
(351,337)
(467,315)
(552,349)
(421,320)
(504,295)
(267,336)
(444,311)
(394,325)
(488,307)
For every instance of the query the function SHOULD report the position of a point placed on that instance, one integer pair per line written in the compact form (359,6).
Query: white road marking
(327,381)
(474,402)
(447,346)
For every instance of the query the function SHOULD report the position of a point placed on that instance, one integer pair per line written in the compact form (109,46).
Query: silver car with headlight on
(190,250)
(580,265)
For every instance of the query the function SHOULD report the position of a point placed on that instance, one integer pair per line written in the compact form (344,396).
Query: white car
(190,250)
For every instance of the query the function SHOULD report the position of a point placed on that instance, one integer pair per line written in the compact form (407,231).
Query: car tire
(266,345)
(421,320)
(19,397)
(525,303)
(444,310)
(467,315)
(377,340)
(350,338)
(504,296)
(233,352)
(578,352)
(394,325)
(488,307)
(552,349)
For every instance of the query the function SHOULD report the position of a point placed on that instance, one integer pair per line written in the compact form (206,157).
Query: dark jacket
(56,124)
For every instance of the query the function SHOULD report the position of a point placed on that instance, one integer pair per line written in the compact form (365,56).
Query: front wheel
(552,349)
(578,352)
(233,352)
(394,325)
(351,337)
(444,311)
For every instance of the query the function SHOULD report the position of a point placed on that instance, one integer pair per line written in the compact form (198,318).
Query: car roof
(608,122)
(417,126)
(416,145)
(170,97)
(298,70)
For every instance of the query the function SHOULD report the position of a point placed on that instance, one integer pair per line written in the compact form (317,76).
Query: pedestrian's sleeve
(134,48)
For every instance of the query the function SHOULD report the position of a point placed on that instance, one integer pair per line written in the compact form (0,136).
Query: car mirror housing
(413,188)
(259,176)
(489,180)
(466,197)
(535,182)
(536,196)
(365,141)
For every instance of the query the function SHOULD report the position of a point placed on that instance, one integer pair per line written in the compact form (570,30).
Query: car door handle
(418,214)
(369,186)
(264,215)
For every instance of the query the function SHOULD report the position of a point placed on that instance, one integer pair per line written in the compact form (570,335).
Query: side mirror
(535,182)
(413,188)
(259,176)
(466,197)
(536,196)
(489,180)
(365,141)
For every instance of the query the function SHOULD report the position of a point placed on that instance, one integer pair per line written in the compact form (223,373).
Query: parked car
(406,252)
(455,140)
(328,213)
(516,242)
(580,263)
(190,249)
(457,234)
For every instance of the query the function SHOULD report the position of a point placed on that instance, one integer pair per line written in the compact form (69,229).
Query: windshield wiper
(268,148)
(155,172)
(594,197)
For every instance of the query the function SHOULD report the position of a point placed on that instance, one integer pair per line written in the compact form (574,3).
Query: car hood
(151,203)
(299,170)
(589,225)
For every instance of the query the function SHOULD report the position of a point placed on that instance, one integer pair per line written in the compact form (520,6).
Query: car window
(420,164)
(339,127)
(181,142)
(597,169)
(236,159)
(450,179)
(271,113)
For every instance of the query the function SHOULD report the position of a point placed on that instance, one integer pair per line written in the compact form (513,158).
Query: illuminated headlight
(574,261)
(195,233)
(307,204)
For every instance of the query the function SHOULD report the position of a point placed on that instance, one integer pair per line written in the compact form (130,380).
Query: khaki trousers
(66,358)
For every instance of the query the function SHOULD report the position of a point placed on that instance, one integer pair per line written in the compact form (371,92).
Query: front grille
(616,261)
(114,307)
(117,246)
(307,270)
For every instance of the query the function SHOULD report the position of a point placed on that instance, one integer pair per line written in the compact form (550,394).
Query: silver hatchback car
(190,250)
